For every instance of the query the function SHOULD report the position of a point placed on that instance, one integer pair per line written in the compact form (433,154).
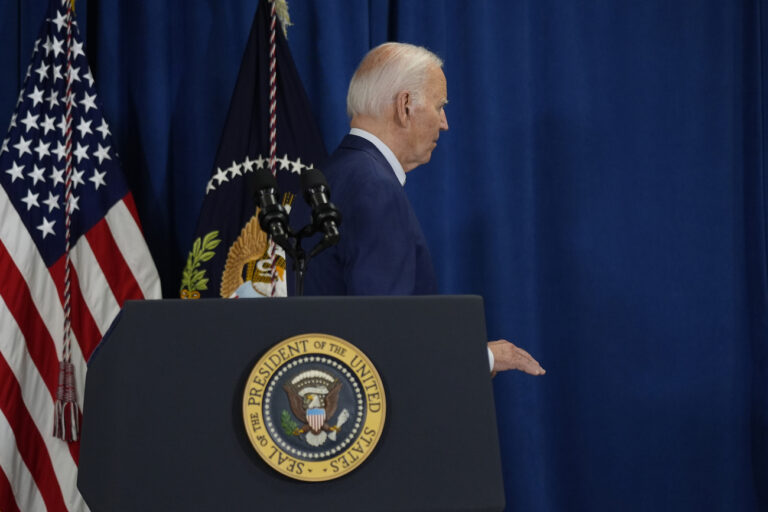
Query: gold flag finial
(281,9)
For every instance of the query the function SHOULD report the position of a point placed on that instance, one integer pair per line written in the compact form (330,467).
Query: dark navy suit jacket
(382,250)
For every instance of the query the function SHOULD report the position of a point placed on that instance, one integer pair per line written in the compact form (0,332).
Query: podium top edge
(361,298)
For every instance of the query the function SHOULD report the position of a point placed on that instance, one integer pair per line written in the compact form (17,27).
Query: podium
(163,422)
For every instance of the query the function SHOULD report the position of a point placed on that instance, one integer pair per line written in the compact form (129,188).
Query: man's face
(427,120)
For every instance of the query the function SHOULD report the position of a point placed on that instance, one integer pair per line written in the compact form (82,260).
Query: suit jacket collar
(357,143)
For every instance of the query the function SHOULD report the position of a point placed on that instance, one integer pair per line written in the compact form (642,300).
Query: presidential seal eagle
(313,396)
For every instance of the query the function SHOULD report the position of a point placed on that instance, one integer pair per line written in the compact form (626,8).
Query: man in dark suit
(396,103)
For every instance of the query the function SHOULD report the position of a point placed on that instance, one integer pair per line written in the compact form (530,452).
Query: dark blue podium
(163,426)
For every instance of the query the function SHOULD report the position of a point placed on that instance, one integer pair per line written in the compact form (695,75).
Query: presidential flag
(230,256)
(58,134)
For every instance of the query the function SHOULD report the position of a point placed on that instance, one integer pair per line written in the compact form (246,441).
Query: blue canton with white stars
(33,154)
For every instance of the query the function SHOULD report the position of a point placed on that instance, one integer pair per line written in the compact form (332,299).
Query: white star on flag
(23,146)
(46,228)
(89,76)
(37,174)
(221,176)
(16,172)
(97,179)
(102,153)
(52,201)
(57,176)
(42,71)
(73,74)
(81,152)
(30,121)
(77,178)
(60,21)
(88,102)
(84,128)
(103,129)
(77,49)
(234,170)
(60,151)
(248,164)
(62,126)
(36,96)
(47,124)
(284,162)
(30,200)
(57,74)
(57,47)
(74,203)
(46,45)
(296,166)
(42,149)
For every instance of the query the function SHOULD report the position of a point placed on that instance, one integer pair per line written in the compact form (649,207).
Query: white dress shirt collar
(384,149)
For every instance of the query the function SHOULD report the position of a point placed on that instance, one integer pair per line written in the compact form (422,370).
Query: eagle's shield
(315,419)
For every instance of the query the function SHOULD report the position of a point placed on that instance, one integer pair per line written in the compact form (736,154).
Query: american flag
(110,262)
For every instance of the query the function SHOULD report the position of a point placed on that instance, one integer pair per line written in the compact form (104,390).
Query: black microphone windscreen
(313,178)
(264,179)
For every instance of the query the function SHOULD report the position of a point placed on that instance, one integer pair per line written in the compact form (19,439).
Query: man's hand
(507,356)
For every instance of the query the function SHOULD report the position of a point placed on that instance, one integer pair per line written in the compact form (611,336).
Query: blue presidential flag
(231,255)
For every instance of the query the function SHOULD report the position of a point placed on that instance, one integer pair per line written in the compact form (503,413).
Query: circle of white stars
(275,433)
(238,169)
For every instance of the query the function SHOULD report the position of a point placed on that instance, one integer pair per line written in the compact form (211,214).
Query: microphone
(325,216)
(273,218)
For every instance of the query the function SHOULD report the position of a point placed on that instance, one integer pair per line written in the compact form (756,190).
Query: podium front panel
(163,424)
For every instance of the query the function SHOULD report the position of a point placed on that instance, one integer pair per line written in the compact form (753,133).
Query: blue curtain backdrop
(603,186)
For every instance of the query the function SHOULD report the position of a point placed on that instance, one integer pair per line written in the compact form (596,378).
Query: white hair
(385,71)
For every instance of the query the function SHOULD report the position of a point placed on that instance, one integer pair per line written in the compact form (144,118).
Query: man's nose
(443,121)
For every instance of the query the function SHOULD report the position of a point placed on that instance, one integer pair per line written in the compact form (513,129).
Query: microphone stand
(301,259)
(273,220)
(292,244)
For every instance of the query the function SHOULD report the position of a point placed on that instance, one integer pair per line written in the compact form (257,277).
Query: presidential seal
(314,407)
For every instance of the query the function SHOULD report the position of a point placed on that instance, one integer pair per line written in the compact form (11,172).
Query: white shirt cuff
(490,359)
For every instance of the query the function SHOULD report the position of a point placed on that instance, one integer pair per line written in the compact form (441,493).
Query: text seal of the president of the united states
(314,407)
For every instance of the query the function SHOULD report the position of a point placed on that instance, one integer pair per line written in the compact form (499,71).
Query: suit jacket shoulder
(382,250)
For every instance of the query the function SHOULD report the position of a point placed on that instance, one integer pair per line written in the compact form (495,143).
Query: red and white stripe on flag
(111,265)
(110,261)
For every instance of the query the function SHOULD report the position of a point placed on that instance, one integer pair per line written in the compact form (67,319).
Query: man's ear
(403,106)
